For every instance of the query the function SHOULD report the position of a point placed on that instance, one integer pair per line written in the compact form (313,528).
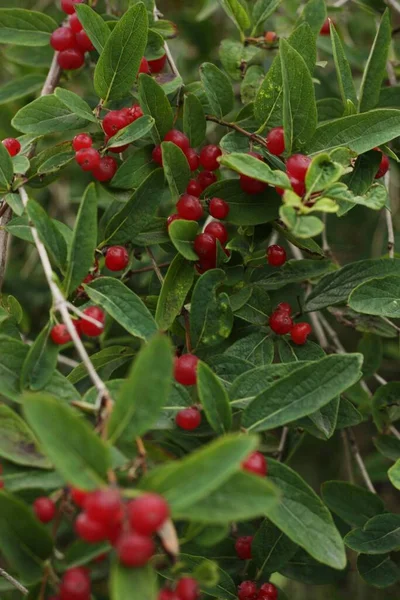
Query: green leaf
(194,477)
(176,169)
(302,567)
(218,89)
(194,121)
(21,164)
(12,357)
(237,12)
(135,169)
(24,541)
(94,25)
(224,589)
(25,27)
(385,396)
(379,535)
(379,571)
(377,297)
(40,362)
(295,271)
(302,392)
(335,288)
(122,581)
(256,348)
(20,87)
(119,61)
(123,305)
(144,392)
(262,10)
(354,504)
(47,114)
(314,13)
(388,445)
(48,233)
(375,69)
(234,58)
(257,308)
(75,104)
(110,358)
(322,172)
(17,442)
(303,517)
(84,241)
(271,548)
(253,167)
(343,70)
(155,103)
(214,399)
(136,130)
(81,457)
(394,474)
(6,170)
(182,234)
(177,284)
(211,317)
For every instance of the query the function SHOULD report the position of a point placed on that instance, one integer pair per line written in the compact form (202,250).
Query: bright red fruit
(178,138)
(247,590)
(88,159)
(44,509)
(383,167)
(188,418)
(297,166)
(62,39)
(172,218)
(270,37)
(276,255)
(299,187)
(284,307)
(78,496)
(144,66)
(75,584)
(185,369)
(106,169)
(268,592)
(148,513)
(251,185)
(165,594)
(12,146)
(157,155)
(256,463)
(157,65)
(70,59)
(83,41)
(88,328)
(194,188)
(300,332)
(280,322)
(81,141)
(187,588)
(90,530)
(75,23)
(206,178)
(104,505)
(68,6)
(192,158)
(189,207)
(217,230)
(205,265)
(209,156)
(276,141)
(59,334)
(134,550)
(117,258)
(219,209)
(326,29)
(205,246)
(243,547)
(114,121)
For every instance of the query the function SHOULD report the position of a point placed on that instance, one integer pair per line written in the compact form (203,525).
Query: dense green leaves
(237,12)
(49,234)
(47,114)
(194,122)
(218,89)
(343,70)
(94,26)
(155,103)
(182,234)
(176,169)
(20,87)
(353,504)
(177,283)
(25,27)
(17,442)
(379,535)
(214,399)
(271,548)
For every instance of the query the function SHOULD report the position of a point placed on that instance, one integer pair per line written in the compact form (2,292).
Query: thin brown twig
(252,136)
(282,443)
(146,269)
(358,458)
(155,265)
(13,582)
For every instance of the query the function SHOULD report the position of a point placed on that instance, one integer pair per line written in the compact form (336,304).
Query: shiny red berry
(75,23)
(117,258)
(88,159)
(188,419)
(251,185)
(78,496)
(148,513)
(270,37)
(247,590)
(192,158)
(205,246)
(189,207)
(383,167)
(82,141)
(104,505)
(70,59)
(280,322)
(60,335)
(144,66)
(134,550)
(217,230)
(90,530)
(157,65)
(172,218)
(243,547)
(276,141)
(44,509)
(156,155)
(106,169)
(87,327)
(205,265)
(300,332)
(83,41)
(62,39)
(209,156)
(206,178)
(187,588)
(178,138)
(219,209)
(297,166)
(299,187)
(326,29)
(68,6)
(165,594)
(114,121)
(75,584)
(276,255)
(268,592)
(284,307)
(194,188)
(256,463)
(185,369)
(12,146)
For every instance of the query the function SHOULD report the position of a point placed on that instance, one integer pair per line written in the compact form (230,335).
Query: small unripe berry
(148,513)
(172,218)
(178,138)
(70,59)
(243,547)
(90,530)
(60,335)
(194,188)
(300,332)
(106,169)
(276,255)
(326,29)
(217,230)
(270,37)
(68,6)
(81,141)
(219,209)
(117,258)
(256,463)
(206,178)
(297,166)
(209,156)
(192,158)
(185,369)
(189,208)
(157,65)
(280,322)
(268,592)
(62,39)
(88,159)
(44,509)
(144,66)
(188,419)
(75,584)
(75,23)
(247,590)
(187,588)
(134,550)
(12,146)
(276,141)
(205,246)
(83,41)
(88,328)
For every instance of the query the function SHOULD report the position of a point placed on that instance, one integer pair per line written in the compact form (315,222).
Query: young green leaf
(176,169)
(253,167)
(94,25)
(155,103)
(48,233)
(177,284)
(182,234)
(17,442)
(218,89)
(343,70)
(314,13)
(25,27)
(262,10)
(214,399)
(322,172)
(238,13)
(194,122)
(377,297)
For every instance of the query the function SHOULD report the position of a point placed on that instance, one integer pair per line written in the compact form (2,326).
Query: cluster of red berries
(281,323)
(12,146)
(186,588)
(103,168)
(116,120)
(60,334)
(248,590)
(71,41)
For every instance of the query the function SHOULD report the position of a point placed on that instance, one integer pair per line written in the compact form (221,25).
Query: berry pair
(103,168)
(116,120)
(185,373)
(12,146)
(281,323)
(205,245)
(248,590)
(186,588)
(60,334)
(71,41)
(203,180)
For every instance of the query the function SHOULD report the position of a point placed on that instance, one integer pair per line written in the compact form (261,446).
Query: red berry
(276,255)
(187,588)
(78,496)
(217,230)
(75,23)
(192,158)
(106,169)
(189,207)
(147,513)
(268,592)
(219,209)
(75,584)
(243,547)
(165,594)
(117,258)
(194,188)
(276,141)
(81,141)
(326,29)
(270,37)
(299,187)
(60,335)
(44,509)
(251,185)
(383,167)
(178,138)
(206,178)
(100,558)
(83,41)
(255,463)
(209,156)
(104,505)
(157,65)
(300,332)
(185,369)
(88,159)
(205,246)
(1,484)
(68,6)
(134,550)
(90,530)
(280,322)
(247,590)
(12,146)
(114,531)
(284,307)
(114,121)
(206,265)
(297,166)
(188,419)
(62,38)
(89,328)
(135,112)
(157,155)
(172,218)
(144,66)
(70,59)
